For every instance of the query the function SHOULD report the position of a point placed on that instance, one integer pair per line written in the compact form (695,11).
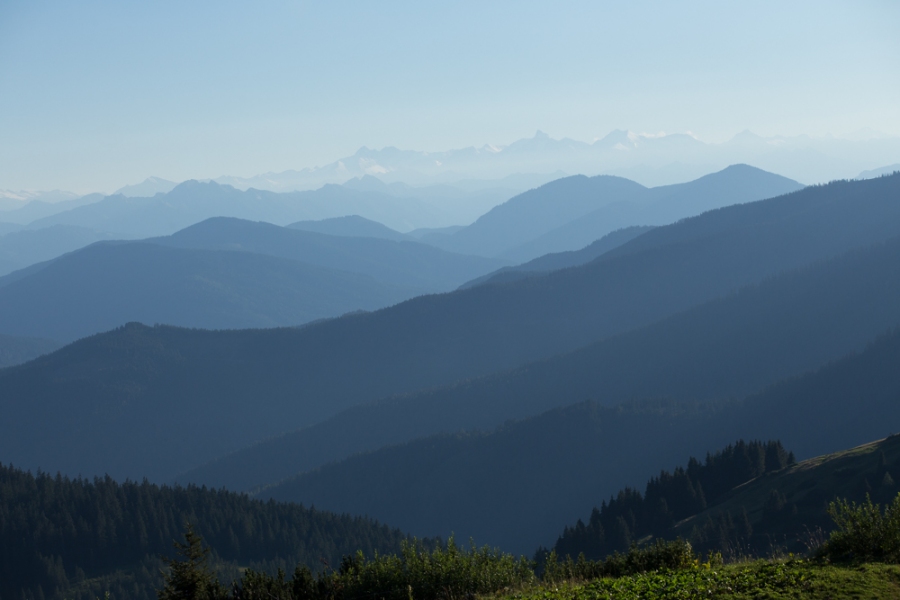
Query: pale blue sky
(94,95)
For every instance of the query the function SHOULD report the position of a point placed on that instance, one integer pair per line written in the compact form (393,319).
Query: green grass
(772,580)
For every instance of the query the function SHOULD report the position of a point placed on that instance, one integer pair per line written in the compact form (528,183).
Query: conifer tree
(189,577)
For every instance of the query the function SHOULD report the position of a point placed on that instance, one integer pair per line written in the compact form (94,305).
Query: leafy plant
(660,556)
(864,532)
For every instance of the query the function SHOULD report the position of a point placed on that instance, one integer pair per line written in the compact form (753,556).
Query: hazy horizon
(106,95)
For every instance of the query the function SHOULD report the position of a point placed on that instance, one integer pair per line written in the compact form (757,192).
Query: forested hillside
(78,538)
(745,499)
(587,451)
(295,378)
(727,348)
(671,497)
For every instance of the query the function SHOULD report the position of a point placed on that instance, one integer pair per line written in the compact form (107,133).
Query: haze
(97,95)
(318,288)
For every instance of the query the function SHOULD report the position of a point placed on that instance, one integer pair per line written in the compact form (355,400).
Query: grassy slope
(810,485)
(796,579)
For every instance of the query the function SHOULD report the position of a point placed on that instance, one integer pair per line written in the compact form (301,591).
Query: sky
(96,95)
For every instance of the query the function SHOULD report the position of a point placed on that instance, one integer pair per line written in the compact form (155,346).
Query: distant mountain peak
(746,136)
(366,183)
(147,188)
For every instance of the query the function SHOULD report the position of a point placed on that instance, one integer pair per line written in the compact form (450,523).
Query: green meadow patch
(794,578)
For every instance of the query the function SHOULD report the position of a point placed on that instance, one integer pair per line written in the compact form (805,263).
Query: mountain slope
(39,209)
(147,188)
(192,201)
(23,248)
(537,211)
(584,453)
(295,378)
(350,226)
(419,267)
(787,505)
(726,348)
(16,350)
(8,228)
(108,284)
(739,501)
(561,260)
(659,206)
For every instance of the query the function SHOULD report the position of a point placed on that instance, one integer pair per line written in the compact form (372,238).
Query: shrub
(864,532)
(660,556)
(416,574)
(450,572)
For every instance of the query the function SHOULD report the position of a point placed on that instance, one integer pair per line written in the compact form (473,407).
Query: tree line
(62,536)
(669,498)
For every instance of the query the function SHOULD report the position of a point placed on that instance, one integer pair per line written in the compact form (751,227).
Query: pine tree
(189,577)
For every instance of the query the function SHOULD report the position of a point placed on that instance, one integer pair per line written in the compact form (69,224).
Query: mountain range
(570,213)
(25,247)
(727,348)
(222,273)
(71,414)
(584,453)
(562,260)
(44,231)
(652,159)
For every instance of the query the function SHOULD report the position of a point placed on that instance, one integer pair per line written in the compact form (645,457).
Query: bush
(416,574)
(864,532)
(449,572)
(659,556)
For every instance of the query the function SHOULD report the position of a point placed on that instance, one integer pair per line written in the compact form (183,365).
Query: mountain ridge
(301,374)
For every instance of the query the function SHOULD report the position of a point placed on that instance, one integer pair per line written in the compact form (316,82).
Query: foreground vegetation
(840,568)
(771,579)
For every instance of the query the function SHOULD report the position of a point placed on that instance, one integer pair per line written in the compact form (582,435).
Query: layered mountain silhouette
(561,260)
(570,213)
(407,263)
(147,188)
(350,226)
(38,209)
(192,201)
(107,284)
(8,228)
(727,348)
(537,211)
(221,273)
(297,377)
(659,206)
(20,249)
(652,159)
(15,350)
(583,454)
(888,170)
